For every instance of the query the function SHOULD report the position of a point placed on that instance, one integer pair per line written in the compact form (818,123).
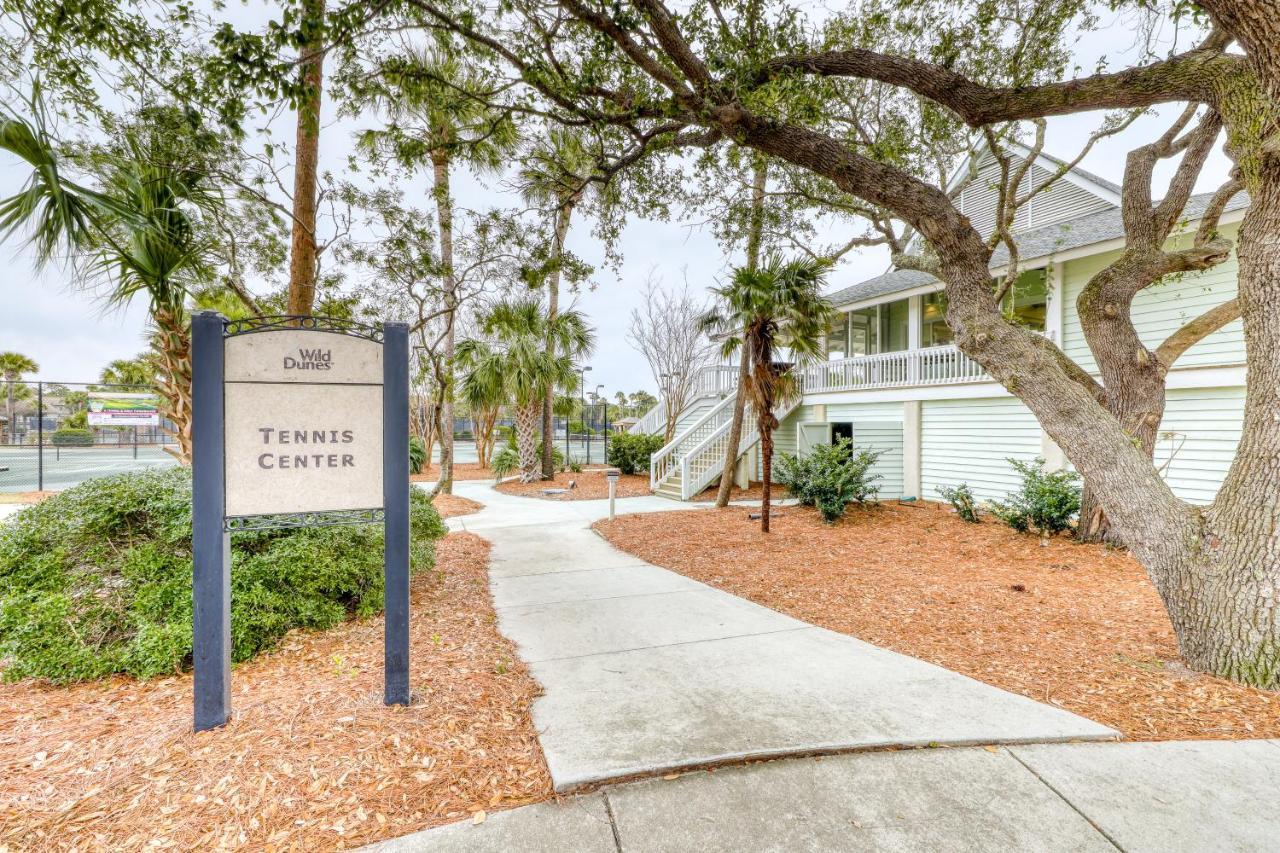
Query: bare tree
(667,333)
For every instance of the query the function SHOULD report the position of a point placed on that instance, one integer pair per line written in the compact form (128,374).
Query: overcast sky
(72,336)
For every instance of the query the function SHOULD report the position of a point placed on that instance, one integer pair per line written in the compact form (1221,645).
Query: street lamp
(604,404)
(582,399)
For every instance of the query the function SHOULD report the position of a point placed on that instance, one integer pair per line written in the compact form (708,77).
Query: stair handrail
(653,421)
(659,468)
(690,487)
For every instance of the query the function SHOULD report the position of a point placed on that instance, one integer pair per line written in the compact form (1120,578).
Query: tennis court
(65,467)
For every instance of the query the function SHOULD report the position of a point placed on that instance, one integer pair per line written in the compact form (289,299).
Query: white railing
(704,462)
(653,422)
(667,460)
(715,379)
(930,366)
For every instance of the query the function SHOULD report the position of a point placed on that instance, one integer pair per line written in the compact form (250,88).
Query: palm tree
(517,368)
(140,370)
(140,232)
(777,305)
(556,172)
(439,114)
(12,366)
(484,399)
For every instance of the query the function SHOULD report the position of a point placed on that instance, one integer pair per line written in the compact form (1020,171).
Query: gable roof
(1108,191)
(1038,243)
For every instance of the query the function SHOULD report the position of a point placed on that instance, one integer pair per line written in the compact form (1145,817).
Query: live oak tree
(661,73)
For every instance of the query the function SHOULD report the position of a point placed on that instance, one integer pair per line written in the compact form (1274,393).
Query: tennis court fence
(54,435)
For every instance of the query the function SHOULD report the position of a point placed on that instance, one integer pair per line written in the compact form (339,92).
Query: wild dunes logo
(310,359)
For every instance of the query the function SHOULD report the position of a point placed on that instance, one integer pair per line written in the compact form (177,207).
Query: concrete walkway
(1161,798)
(646,671)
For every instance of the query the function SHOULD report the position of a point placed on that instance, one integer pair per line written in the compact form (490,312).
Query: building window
(863,329)
(1027,302)
(895,320)
(837,343)
(934,331)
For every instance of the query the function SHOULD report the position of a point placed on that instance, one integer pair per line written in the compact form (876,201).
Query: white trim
(1027,264)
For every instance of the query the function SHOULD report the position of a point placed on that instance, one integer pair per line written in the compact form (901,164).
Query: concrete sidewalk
(1157,797)
(645,670)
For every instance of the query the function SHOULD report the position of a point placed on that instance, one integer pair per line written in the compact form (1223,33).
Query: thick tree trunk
(564,214)
(172,345)
(755,236)
(766,466)
(444,212)
(302,255)
(527,440)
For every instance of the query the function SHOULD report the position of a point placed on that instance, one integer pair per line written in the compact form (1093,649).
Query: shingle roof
(1085,173)
(1094,228)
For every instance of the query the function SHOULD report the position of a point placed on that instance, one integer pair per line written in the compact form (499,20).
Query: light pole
(604,404)
(582,399)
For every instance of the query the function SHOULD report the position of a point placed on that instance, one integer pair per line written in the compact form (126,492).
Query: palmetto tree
(556,173)
(440,114)
(777,305)
(139,232)
(12,366)
(140,370)
(516,367)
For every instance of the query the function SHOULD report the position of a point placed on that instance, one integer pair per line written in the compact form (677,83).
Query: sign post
(298,422)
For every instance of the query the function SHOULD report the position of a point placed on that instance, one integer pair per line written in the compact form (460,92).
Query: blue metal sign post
(285,435)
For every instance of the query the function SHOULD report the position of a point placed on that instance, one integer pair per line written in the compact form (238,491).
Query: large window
(863,328)
(837,344)
(934,330)
(1027,302)
(895,322)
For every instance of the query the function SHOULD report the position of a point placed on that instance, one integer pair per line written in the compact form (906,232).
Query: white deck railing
(931,366)
(715,379)
(653,422)
(667,460)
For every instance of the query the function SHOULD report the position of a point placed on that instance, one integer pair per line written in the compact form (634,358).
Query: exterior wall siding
(1200,431)
(1063,200)
(970,441)
(1160,310)
(877,426)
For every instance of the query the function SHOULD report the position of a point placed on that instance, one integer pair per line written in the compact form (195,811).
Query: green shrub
(630,452)
(575,466)
(72,437)
(831,477)
(97,580)
(1045,502)
(507,458)
(961,499)
(417,454)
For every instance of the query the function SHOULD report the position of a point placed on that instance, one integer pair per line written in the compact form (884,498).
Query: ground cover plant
(311,760)
(97,580)
(1072,624)
(630,453)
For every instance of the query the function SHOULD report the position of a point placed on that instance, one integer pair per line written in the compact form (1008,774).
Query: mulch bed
(592,485)
(461,471)
(1078,626)
(312,759)
(452,505)
(25,497)
(754,492)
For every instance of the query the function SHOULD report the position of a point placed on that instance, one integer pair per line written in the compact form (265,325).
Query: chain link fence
(54,435)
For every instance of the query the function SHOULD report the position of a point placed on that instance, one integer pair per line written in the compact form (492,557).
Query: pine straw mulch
(461,471)
(24,497)
(312,760)
(592,485)
(450,506)
(1078,626)
(753,492)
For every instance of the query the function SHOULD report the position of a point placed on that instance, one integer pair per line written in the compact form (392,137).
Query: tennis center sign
(298,421)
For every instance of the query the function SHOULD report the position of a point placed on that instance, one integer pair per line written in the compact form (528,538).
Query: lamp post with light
(582,400)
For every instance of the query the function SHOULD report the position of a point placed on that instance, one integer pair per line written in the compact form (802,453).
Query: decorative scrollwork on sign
(285,521)
(283,322)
